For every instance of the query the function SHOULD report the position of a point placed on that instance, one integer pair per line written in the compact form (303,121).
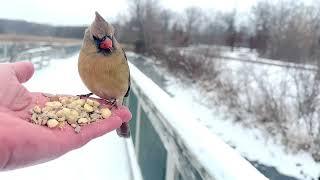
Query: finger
(88,132)
(100,128)
(67,139)
(39,98)
(123,112)
(24,70)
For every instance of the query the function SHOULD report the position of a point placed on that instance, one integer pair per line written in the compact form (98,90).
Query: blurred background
(247,70)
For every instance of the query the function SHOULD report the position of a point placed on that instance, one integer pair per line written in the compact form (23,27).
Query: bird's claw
(112,102)
(85,95)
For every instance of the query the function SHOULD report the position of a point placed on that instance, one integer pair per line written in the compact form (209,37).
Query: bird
(103,66)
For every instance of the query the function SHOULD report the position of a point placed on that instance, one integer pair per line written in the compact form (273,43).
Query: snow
(244,54)
(37,50)
(103,158)
(253,57)
(251,143)
(281,81)
(219,159)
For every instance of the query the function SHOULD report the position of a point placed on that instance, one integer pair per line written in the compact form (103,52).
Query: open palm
(22,143)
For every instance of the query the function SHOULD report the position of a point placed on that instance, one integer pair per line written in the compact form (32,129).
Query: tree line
(285,29)
(28,28)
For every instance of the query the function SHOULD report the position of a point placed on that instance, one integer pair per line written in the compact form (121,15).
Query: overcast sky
(80,12)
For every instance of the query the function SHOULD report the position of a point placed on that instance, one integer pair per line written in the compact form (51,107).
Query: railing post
(5,50)
(171,168)
(138,125)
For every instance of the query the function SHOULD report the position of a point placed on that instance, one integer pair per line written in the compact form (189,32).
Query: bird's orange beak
(106,44)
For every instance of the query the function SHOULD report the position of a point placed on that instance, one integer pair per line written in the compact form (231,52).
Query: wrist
(4,151)
(5,146)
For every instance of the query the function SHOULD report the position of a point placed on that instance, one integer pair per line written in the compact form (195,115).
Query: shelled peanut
(72,110)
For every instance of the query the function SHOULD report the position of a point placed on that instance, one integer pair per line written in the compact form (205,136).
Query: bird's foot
(112,102)
(85,95)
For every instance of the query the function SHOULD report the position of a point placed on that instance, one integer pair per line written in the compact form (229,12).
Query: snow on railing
(171,144)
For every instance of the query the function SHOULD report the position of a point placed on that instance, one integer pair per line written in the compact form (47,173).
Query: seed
(105,113)
(78,108)
(96,104)
(64,100)
(47,109)
(52,115)
(83,120)
(79,102)
(37,109)
(73,98)
(90,102)
(72,110)
(72,121)
(66,111)
(95,116)
(73,114)
(60,113)
(72,105)
(77,129)
(43,119)
(57,104)
(62,124)
(61,119)
(54,98)
(54,104)
(88,108)
(93,103)
(52,123)
(34,118)
(84,115)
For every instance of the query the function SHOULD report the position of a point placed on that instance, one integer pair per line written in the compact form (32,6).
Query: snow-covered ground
(252,143)
(103,158)
(242,54)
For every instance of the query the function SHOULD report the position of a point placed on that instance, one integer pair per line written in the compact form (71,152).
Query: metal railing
(171,145)
(39,56)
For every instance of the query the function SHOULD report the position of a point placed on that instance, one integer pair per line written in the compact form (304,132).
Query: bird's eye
(94,37)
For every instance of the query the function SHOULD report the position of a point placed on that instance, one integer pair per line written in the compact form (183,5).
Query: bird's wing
(127,93)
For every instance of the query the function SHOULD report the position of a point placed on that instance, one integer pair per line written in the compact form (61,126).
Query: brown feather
(104,75)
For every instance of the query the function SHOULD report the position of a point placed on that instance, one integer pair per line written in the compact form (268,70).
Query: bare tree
(214,29)
(193,19)
(137,8)
(231,32)
(146,20)
(179,37)
(166,20)
(286,30)
(261,21)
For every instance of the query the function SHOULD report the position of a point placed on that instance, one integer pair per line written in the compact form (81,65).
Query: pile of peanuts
(72,110)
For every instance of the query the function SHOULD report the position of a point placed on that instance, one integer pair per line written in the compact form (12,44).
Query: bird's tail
(124,129)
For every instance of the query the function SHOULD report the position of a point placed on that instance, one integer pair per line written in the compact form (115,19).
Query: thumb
(24,70)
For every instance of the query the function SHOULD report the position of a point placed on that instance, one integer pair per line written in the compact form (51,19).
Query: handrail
(195,151)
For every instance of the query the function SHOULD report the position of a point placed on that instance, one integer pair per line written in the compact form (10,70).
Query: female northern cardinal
(103,66)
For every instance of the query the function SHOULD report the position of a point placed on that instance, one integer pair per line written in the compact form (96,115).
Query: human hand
(23,143)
